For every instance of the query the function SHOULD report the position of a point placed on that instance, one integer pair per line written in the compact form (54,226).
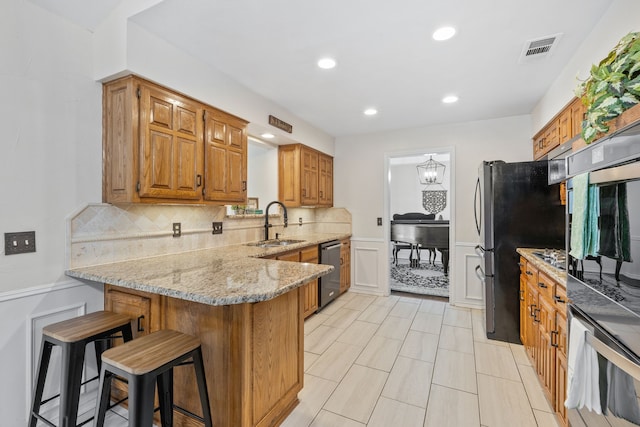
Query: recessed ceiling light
(450,99)
(444,33)
(267,135)
(370,112)
(327,63)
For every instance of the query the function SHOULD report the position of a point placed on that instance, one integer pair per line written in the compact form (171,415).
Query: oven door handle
(613,356)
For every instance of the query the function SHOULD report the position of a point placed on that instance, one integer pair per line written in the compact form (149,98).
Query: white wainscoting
(370,271)
(369,266)
(467,291)
(22,316)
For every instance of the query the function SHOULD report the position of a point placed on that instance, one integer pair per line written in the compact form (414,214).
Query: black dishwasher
(329,285)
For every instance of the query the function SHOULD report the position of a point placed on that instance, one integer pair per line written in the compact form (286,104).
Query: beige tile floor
(403,361)
(412,362)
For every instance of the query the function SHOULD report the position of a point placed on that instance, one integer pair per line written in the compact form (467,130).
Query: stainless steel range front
(603,271)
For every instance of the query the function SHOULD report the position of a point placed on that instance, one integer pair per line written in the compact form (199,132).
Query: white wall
(359,174)
(262,173)
(51,164)
(405,189)
(359,165)
(52,122)
(620,19)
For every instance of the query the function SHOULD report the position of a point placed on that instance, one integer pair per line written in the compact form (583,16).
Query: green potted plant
(612,87)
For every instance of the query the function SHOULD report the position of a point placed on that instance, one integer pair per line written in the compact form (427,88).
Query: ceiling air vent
(539,48)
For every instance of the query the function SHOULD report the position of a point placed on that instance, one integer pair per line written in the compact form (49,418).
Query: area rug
(427,279)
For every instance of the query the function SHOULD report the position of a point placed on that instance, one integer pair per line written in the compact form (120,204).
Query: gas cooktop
(554,257)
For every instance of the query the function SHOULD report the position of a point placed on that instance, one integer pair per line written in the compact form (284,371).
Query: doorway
(420,196)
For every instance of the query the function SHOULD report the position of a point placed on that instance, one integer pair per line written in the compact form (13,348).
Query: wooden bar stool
(145,362)
(72,336)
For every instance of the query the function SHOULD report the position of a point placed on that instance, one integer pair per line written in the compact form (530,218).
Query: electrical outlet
(379,221)
(177,229)
(19,243)
(217,228)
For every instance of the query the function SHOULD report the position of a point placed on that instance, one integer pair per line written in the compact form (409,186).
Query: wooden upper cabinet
(310,177)
(225,143)
(154,147)
(577,116)
(564,126)
(305,176)
(325,180)
(170,145)
(538,145)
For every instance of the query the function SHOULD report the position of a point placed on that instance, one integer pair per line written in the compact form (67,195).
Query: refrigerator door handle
(479,250)
(480,275)
(477,215)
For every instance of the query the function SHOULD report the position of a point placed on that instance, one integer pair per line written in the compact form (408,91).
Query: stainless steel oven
(603,285)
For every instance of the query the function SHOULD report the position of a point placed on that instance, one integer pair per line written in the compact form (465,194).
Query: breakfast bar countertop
(225,275)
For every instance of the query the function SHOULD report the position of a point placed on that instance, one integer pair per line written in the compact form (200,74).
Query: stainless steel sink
(274,243)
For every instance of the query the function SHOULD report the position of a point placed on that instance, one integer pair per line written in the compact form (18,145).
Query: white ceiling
(386,56)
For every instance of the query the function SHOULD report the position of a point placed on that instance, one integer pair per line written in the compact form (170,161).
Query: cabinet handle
(558,299)
(244,185)
(529,273)
(542,285)
(140,327)
(521,264)
(535,315)
(198,180)
(321,194)
(551,335)
(521,295)
(532,310)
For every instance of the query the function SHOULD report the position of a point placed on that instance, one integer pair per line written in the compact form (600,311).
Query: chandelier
(431,174)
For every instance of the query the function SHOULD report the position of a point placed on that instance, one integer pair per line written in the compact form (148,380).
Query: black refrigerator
(514,207)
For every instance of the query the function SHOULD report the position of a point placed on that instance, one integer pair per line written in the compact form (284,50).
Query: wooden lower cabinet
(310,290)
(253,353)
(543,330)
(345,265)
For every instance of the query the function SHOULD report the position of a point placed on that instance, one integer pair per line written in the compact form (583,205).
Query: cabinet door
(561,367)
(538,145)
(170,145)
(309,185)
(523,305)
(225,158)
(310,291)
(531,298)
(551,136)
(345,265)
(547,355)
(144,311)
(564,126)
(577,117)
(325,183)
(289,164)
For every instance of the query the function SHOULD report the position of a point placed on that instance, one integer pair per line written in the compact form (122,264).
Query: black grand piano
(417,231)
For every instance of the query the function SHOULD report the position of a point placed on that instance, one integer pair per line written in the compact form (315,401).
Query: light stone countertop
(556,274)
(226,275)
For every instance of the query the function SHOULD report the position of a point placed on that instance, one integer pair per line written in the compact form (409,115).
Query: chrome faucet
(266,218)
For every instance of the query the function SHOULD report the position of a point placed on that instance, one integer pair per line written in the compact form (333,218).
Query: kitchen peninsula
(247,311)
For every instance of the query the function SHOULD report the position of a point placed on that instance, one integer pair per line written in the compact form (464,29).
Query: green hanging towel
(584,222)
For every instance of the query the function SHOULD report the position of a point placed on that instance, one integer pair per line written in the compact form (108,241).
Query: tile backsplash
(104,233)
